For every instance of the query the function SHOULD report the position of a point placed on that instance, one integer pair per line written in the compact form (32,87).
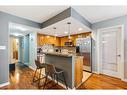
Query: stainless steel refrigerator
(85,49)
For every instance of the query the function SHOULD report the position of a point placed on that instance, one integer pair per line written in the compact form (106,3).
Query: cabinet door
(78,71)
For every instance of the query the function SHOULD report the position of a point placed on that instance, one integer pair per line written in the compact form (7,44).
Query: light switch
(2,47)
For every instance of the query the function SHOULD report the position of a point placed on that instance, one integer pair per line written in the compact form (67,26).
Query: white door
(110,42)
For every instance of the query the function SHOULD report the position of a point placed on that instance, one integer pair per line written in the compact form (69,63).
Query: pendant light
(54,28)
(69,37)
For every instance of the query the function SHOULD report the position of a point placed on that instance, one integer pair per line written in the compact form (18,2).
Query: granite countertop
(61,54)
(58,54)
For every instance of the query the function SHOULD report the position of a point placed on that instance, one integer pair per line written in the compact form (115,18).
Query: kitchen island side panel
(64,63)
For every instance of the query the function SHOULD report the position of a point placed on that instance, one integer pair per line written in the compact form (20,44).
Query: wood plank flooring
(22,79)
(103,82)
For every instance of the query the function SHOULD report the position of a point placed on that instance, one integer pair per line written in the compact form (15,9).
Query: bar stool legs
(53,72)
(34,75)
(39,78)
(56,78)
(39,66)
(65,80)
(45,81)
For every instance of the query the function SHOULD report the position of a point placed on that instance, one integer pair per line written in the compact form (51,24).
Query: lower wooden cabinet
(78,71)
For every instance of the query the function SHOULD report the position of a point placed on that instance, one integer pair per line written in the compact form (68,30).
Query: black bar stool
(39,66)
(55,74)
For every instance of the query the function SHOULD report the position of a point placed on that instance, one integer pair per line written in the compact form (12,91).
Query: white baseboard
(95,72)
(4,84)
(124,80)
(32,68)
(26,64)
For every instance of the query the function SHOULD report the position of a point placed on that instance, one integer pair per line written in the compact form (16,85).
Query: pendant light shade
(69,23)
(54,28)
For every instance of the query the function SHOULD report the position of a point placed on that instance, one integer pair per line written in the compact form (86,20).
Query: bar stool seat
(42,65)
(58,70)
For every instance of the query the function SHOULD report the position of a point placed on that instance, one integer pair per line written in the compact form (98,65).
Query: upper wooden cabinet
(58,41)
(43,39)
(73,38)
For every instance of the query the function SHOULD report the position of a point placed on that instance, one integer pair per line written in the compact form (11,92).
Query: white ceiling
(42,13)
(62,27)
(34,13)
(99,13)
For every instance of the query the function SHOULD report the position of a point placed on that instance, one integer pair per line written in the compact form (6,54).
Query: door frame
(99,59)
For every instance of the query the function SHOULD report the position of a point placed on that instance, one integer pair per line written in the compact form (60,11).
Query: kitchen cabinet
(65,39)
(43,39)
(58,41)
(78,71)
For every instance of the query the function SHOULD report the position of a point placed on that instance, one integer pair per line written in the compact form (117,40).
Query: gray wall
(61,16)
(70,12)
(4,35)
(108,23)
(32,49)
(4,40)
(80,18)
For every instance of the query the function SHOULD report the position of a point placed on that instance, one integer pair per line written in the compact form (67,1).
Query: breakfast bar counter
(71,64)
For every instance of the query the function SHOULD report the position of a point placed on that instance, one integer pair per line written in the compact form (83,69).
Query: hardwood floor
(22,79)
(103,82)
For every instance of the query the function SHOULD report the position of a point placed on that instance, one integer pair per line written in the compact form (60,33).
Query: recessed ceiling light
(80,29)
(47,36)
(66,32)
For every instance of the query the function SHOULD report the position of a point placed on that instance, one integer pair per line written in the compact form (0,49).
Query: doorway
(19,49)
(14,47)
(111,51)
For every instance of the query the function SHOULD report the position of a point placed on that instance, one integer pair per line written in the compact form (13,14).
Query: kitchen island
(71,64)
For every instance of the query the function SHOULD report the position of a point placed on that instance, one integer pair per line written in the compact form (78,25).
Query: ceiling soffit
(70,12)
